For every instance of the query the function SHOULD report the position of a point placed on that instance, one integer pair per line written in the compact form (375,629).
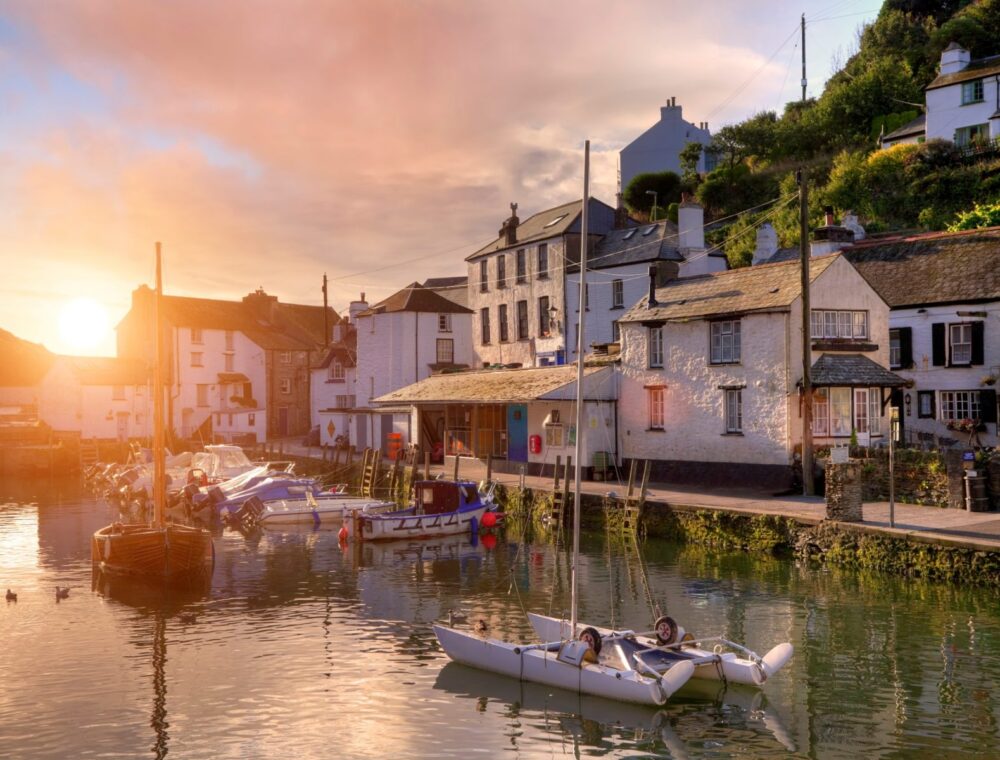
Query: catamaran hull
(726,666)
(540,666)
(389,527)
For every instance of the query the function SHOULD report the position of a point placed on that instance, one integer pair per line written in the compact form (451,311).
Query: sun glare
(83,325)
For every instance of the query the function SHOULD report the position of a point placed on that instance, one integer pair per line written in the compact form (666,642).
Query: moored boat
(329,510)
(169,551)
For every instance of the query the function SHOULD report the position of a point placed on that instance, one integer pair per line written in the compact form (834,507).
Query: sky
(265,143)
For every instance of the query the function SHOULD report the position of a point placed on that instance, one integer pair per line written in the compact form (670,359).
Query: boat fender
(666,630)
(592,638)
(473,526)
(342,534)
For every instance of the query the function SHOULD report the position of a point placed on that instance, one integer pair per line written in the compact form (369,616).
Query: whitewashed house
(409,336)
(944,327)
(658,148)
(238,370)
(618,270)
(334,379)
(711,371)
(517,284)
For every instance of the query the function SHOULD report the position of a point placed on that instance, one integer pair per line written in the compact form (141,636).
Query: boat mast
(579,387)
(159,460)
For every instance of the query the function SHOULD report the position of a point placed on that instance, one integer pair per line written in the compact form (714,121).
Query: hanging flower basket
(988,380)
(966,426)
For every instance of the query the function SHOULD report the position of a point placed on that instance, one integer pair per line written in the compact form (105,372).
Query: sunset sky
(265,143)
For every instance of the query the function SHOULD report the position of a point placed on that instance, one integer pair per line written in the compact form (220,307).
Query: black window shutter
(937,344)
(905,347)
(977,343)
(988,405)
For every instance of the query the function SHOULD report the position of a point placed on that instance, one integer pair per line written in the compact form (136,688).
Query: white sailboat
(573,664)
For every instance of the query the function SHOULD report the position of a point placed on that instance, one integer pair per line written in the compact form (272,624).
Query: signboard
(968,459)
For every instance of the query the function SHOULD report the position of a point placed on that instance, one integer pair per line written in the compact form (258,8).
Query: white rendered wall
(658,148)
(945,112)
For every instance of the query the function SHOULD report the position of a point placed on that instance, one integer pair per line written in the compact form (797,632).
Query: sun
(83,325)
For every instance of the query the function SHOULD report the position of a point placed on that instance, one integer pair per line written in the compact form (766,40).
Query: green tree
(986,215)
(666,185)
(690,156)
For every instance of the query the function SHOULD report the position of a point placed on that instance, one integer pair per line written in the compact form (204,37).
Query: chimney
(263,306)
(831,237)
(651,301)
(767,244)
(356,307)
(690,224)
(621,214)
(508,232)
(671,111)
(954,58)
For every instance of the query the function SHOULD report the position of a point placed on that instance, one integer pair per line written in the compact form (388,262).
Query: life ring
(666,630)
(591,638)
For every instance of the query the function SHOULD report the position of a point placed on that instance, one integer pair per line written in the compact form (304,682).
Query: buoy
(342,534)
(489,520)
(489,541)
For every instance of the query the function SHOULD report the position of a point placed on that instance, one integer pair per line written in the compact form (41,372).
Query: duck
(62,593)
(11,596)
(454,616)
(481,626)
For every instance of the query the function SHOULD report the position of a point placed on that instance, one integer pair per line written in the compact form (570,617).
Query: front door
(122,418)
(517,432)
(282,421)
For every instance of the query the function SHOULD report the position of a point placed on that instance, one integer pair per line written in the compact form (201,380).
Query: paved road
(980,530)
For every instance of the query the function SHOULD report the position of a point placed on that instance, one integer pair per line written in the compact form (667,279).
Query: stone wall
(921,476)
(843,492)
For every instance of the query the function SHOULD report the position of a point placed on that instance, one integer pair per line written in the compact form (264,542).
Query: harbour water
(300,649)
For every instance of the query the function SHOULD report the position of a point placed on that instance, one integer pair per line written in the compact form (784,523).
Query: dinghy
(578,665)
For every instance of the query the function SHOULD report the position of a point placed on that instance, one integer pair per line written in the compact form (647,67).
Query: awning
(853,370)
(233,377)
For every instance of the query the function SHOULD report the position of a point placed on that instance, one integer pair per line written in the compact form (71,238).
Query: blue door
(517,433)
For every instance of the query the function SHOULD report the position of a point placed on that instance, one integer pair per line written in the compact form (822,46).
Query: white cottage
(944,328)
(658,148)
(710,386)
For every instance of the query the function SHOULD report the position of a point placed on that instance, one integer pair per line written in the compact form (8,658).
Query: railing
(977,149)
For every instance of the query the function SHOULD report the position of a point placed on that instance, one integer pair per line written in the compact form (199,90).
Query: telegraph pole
(803,58)
(326,315)
(808,487)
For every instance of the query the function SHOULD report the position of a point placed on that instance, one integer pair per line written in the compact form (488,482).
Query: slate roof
(22,363)
(933,268)
(784,254)
(543,225)
(453,288)
(635,245)
(268,322)
(853,370)
(415,297)
(916,127)
(765,287)
(981,67)
(488,386)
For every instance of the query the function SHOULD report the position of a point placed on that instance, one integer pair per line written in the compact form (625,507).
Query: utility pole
(326,315)
(808,487)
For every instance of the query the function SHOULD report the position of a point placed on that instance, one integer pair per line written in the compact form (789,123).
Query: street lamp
(652,212)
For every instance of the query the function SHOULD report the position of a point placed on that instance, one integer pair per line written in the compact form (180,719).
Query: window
(501,271)
(839,324)
(345,401)
(230,336)
(617,294)
(543,261)
(960,405)
(286,385)
(616,333)
(337,371)
(895,350)
(521,266)
(556,220)
(252,419)
(972,92)
(654,343)
(445,351)
(960,339)
(821,412)
(202,394)
(285,357)
(117,392)
(554,435)
(734,411)
(543,317)
(974,134)
(726,342)
(925,404)
(230,362)
(196,336)
(484,325)
(502,320)
(654,400)
(522,320)
(230,419)
(196,359)
(862,418)
(484,276)
(218,419)
(444,322)
(840,412)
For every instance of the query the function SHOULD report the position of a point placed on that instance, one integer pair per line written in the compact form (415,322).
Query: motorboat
(327,509)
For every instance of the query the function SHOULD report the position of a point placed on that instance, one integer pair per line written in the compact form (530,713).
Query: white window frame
(655,408)
(841,412)
(821,413)
(337,370)
(839,323)
(960,343)
(971,93)
(895,350)
(286,385)
(733,402)
(444,323)
(285,357)
(441,343)
(959,405)
(726,338)
(617,294)
(654,347)
(201,394)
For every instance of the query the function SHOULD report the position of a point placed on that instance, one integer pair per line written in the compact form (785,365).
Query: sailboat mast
(159,459)
(574,576)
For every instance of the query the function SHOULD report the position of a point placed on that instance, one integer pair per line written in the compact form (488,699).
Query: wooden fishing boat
(157,550)
(726,660)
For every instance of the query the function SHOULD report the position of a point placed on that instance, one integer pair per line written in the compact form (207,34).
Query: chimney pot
(828,212)
(652,287)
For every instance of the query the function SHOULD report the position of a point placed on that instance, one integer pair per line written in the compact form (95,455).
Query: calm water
(299,649)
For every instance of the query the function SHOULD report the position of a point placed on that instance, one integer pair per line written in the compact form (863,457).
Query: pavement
(953,527)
